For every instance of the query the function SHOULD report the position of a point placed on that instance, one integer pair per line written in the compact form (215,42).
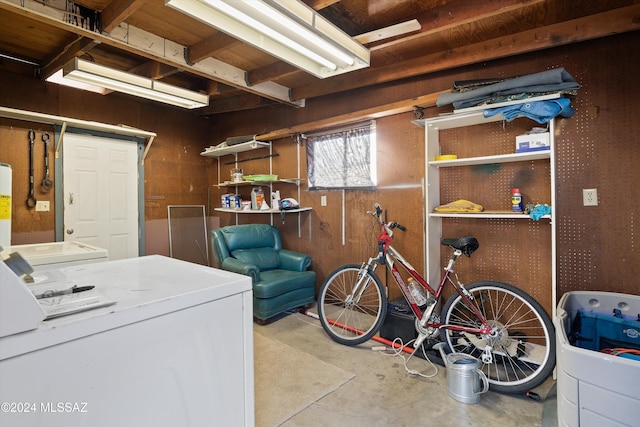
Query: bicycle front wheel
(351,311)
(520,351)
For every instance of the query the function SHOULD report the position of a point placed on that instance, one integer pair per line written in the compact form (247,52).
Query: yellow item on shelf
(459,206)
(446,157)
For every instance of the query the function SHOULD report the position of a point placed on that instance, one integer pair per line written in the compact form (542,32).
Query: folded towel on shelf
(460,206)
(539,211)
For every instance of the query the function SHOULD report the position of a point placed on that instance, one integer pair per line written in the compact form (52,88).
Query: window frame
(349,152)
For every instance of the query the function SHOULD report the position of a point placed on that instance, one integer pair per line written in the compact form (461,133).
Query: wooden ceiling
(148,38)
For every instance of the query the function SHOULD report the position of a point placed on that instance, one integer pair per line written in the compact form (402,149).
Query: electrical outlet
(42,206)
(590,197)
(323,200)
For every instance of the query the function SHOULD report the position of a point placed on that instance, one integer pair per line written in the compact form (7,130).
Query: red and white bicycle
(495,322)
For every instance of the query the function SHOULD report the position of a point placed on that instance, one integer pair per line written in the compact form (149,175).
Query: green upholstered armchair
(281,279)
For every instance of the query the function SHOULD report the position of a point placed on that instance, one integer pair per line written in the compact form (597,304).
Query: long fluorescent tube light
(59,78)
(100,77)
(286,29)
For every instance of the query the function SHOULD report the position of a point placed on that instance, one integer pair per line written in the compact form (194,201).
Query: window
(343,159)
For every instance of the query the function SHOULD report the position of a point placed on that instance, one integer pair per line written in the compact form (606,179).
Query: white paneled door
(101,193)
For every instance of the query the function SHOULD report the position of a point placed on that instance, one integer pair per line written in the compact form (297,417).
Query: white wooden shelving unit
(433,220)
(250,146)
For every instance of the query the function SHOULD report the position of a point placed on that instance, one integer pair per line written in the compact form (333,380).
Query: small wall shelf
(259,183)
(235,149)
(258,211)
(484,214)
(501,158)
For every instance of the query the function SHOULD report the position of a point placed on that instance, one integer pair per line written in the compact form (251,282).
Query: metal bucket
(465,381)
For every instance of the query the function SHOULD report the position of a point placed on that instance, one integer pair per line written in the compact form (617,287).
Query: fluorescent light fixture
(287,29)
(60,79)
(97,78)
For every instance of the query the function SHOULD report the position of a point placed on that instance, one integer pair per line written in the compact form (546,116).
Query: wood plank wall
(597,246)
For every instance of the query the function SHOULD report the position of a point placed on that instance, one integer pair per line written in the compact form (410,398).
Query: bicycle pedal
(418,342)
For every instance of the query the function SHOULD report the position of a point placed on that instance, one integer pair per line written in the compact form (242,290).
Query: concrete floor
(384,394)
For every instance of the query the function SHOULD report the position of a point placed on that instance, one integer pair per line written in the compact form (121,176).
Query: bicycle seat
(467,244)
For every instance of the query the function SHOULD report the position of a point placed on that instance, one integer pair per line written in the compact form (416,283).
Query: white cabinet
(489,160)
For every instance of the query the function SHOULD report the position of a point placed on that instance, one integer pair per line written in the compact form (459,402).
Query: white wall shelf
(258,211)
(235,149)
(484,214)
(501,158)
(259,183)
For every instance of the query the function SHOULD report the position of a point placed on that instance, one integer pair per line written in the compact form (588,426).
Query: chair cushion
(263,258)
(277,282)
(249,236)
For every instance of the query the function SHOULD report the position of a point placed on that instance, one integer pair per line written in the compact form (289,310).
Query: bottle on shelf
(257,198)
(516,200)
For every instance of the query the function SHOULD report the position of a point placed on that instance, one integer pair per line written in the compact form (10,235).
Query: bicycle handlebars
(378,214)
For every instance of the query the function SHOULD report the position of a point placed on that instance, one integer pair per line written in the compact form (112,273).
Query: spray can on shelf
(516,200)
(257,198)
(417,292)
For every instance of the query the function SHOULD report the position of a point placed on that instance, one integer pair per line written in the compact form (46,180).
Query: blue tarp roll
(553,80)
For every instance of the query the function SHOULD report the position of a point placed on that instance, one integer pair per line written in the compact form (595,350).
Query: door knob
(69,230)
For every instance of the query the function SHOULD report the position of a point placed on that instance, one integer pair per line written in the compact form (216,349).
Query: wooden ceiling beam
(78,47)
(216,88)
(615,21)
(118,11)
(210,46)
(237,103)
(377,112)
(267,73)
(458,12)
(320,4)
(444,17)
(154,70)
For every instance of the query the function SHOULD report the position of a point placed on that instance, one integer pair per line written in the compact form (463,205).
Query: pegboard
(513,251)
(490,185)
(598,246)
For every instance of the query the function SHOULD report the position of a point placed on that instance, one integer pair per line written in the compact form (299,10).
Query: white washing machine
(45,256)
(176,348)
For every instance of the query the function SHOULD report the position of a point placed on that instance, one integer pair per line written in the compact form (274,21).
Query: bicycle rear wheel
(521,342)
(347,318)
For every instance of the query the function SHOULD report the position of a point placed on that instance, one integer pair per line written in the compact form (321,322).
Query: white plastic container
(257,198)
(594,388)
